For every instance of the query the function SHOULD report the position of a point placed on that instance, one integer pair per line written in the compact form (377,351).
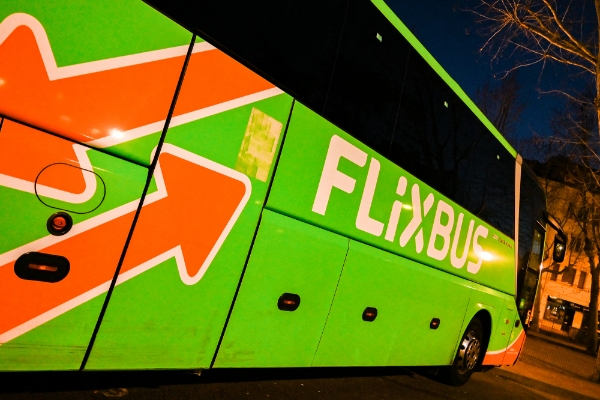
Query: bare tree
(577,136)
(503,105)
(538,32)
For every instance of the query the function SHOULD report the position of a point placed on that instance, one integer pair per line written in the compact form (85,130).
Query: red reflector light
(39,267)
(59,223)
(289,302)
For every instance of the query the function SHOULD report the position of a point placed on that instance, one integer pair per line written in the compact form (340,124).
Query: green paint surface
(484,299)
(407,297)
(27,216)
(133,332)
(288,257)
(504,325)
(99,30)
(294,193)
(59,344)
(218,137)
(152,325)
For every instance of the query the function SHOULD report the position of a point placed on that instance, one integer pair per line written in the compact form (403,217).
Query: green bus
(223,184)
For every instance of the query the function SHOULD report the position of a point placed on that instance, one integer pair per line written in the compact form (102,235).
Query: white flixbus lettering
(482,232)
(444,236)
(331,177)
(390,232)
(363,221)
(441,230)
(417,219)
(459,262)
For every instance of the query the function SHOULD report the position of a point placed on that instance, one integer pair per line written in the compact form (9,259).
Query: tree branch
(566,31)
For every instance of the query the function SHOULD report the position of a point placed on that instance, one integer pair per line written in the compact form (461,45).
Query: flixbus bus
(274,183)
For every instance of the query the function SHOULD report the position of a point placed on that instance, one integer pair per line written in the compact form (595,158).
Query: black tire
(468,356)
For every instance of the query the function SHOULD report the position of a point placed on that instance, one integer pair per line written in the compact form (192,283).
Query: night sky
(450,34)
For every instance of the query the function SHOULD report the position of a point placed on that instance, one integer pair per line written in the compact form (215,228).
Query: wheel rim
(468,353)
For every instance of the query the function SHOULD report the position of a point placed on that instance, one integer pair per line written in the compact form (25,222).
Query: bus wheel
(467,356)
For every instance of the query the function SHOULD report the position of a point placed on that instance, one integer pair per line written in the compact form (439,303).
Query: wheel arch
(486,323)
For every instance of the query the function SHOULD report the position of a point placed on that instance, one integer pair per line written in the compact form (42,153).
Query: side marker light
(40,267)
(369,314)
(288,302)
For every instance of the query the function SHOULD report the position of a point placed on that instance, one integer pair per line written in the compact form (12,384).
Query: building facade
(564,294)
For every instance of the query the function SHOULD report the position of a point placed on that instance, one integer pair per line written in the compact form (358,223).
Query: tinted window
(486,176)
(423,142)
(344,60)
(293,43)
(531,241)
(364,95)
(532,205)
(439,140)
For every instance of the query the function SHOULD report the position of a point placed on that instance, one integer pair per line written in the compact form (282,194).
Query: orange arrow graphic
(21,159)
(197,203)
(95,100)
(508,355)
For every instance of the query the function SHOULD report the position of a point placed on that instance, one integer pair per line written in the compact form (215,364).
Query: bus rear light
(434,324)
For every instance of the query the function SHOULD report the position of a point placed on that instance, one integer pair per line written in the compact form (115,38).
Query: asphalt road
(291,384)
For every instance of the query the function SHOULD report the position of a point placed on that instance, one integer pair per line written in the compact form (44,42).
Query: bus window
(293,43)
(439,140)
(367,81)
(531,241)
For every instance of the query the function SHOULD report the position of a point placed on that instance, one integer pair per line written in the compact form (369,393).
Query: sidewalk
(548,381)
(544,335)
(557,369)
(558,358)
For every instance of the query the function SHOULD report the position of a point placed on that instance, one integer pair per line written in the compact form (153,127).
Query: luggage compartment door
(284,300)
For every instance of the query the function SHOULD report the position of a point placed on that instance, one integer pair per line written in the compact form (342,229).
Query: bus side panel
(490,303)
(506,339)
(407,297)
(97,73)
(504,336)
(290,257)
(340,184)
(515,342)
(47,317)
(182,268)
